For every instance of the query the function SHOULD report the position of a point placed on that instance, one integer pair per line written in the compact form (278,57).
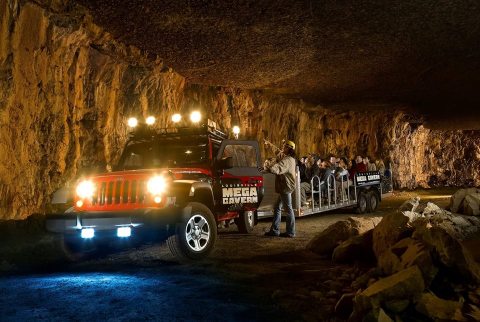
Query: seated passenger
(341,176)
(311,170)
(333,160)
(341,172)
(369,165)
(325,171)
(360,167)
(380,166)
(301,168)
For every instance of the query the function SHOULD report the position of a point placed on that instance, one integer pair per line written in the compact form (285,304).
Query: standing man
(284,170)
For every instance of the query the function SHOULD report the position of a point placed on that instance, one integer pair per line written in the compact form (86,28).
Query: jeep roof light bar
(145,132)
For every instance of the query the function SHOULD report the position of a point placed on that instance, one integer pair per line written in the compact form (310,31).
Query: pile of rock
(419,267)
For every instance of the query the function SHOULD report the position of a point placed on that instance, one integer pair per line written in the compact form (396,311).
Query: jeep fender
(187,191)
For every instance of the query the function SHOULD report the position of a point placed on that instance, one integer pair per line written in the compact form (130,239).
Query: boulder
(460,227)
(383,317)
(412,215)
(432,209)
(325,242)
(397,306)
(439,309)
(449,250)
(456,200)
(344,306)
(374,315)
(406,253)
(361,281)
(406,284)
(392,228)
(471,204)
(356,248)
(410,205)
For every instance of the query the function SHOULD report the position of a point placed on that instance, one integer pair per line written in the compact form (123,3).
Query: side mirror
(225,163)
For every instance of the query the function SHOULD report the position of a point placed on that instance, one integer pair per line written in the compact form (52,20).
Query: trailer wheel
(362,203)
(373,201)
(245,222)
(195,235)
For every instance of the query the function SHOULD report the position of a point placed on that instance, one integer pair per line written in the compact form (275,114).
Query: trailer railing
(332,193)
(325,195)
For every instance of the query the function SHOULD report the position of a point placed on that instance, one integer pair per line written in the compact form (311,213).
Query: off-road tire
(245,222)
(195,234)
(372,201)
(362,203)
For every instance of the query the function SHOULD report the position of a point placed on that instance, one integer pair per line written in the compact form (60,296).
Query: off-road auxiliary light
(195,117)
(176,118)
(132,122)
(87,233)
(150,120)
(124,232)
(236,131)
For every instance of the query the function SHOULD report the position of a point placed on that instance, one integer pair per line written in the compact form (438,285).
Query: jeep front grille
(117,192)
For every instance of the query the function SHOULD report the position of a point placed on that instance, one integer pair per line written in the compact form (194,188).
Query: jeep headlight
(85,189)
(156,185)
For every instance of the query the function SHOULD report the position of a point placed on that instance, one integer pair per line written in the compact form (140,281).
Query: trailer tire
(362,203)
(245,222)
(195,235)
(373,201)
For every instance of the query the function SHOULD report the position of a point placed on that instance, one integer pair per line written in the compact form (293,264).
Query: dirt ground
(247,278)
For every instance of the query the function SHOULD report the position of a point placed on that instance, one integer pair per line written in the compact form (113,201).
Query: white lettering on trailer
(361,178)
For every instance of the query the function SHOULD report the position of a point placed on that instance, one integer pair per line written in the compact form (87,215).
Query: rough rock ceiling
(424,53)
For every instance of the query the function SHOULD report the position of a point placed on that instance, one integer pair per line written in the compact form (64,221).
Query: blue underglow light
(124,231)
(88,233)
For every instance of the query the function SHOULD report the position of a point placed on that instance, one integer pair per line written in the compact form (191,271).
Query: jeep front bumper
(103,221)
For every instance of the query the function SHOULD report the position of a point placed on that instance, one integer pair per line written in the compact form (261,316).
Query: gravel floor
(247,278)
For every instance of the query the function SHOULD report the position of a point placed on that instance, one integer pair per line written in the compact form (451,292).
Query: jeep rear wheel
(195,235)
(245,222)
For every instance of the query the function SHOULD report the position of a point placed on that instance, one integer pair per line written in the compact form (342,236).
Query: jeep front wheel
(245,222)
(195,235)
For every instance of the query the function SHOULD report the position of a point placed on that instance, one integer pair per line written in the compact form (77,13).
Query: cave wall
(67,88)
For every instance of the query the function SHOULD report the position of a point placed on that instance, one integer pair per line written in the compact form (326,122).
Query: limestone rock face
(67,88)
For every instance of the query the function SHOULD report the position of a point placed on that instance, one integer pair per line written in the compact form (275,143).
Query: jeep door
(240,187)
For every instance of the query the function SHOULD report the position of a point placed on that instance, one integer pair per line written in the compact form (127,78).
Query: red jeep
(178,183)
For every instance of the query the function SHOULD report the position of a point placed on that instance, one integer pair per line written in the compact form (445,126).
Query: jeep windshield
(163,154)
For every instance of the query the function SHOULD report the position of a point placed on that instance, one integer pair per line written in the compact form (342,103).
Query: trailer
(363,194)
